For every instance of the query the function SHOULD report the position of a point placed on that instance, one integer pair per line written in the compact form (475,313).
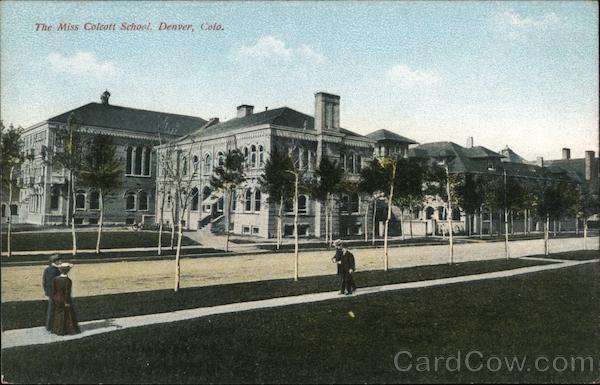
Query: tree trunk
(331,207)
(410,227)
(491,222)
(387,223)
(554,227)
(585,228)
(576,226)
(227,212)
(481,223)
(279,222)
(296,228)
(512,223)
(525,221)
(100,222)
(547,236)
(506,233)
(160,224)
(10,194)
(374,221)
(470,219)
(74,237)
(366,226)
(173,217)
(449,215)
(178,255)
(327,221)
(402,223)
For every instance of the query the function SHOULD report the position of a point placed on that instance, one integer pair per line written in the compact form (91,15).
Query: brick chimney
(327,112)
(470,142)
(540,161)
(244,110)
(589,165)
(566,153)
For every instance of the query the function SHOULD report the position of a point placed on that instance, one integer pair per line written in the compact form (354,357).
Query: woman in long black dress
(65,321)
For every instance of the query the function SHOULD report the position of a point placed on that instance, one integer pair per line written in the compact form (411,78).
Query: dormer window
(490,165)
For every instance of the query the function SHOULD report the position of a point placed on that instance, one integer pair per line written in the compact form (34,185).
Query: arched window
(358,163)
(442,213)
(143,201)
(207,163)
(129,162)
(429,213)
(147,158)
(220,204)
(246,152)
(195,163)
(138,161)
(221,159)
(206,191)
(261,155)
(80,200)
(257,200)
(253,156)
(195,199)
(248,200)
(94,200)
(234,201)
(350,163)
(184,166)
(130,201)
(289,206)
(343,161)
(455,214)
(302,204)
(55,198)
(354,203)
(344,206)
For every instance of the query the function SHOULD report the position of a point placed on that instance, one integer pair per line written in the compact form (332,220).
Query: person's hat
(55,257)
(337,242)
(65,267)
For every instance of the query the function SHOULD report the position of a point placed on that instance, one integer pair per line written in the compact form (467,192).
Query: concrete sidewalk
(39,335)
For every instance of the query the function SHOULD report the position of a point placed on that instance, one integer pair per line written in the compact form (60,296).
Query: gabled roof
(461,159)
(511,156)
(132,119)
(384,134)
(574,168)
(283,116)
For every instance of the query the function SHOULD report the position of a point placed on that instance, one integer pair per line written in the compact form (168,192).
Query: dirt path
(21,283)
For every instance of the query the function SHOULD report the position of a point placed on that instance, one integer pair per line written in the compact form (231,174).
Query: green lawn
(24,314)
(28,241)
(550,314)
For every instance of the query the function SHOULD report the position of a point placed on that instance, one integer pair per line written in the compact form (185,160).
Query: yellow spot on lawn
(351,314)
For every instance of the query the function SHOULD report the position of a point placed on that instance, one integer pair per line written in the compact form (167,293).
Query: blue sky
(518,73)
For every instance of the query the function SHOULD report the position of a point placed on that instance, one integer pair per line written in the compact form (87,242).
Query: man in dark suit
(347,267)
(50,273)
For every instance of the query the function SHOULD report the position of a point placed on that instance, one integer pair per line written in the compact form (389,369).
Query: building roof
(132,119)
(575,168)
(511,156)
(283,116)
(384,134)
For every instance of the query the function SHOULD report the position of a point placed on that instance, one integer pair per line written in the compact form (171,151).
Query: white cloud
(272,48)
(81,63)
(514,19)
(404,76)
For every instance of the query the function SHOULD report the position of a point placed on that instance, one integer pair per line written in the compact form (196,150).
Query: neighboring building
(258,134)
(43,193)
(389,143)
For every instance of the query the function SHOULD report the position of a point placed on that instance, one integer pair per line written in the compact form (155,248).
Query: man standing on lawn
(346,267)
(50,273)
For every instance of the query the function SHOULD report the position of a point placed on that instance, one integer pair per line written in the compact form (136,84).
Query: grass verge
(24,314)
(547,314)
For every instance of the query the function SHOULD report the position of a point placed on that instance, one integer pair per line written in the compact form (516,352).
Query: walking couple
(345,267)
(60,317)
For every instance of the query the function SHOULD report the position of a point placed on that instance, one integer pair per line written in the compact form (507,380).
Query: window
(245,229)
(195,162)
(248,206)
(80,200)
(233,201)
(206,191)
(130,201)
(94,200)
(491,165)
(354,203)
(207,163)
(255,230)
(358,163)
(302,204)
(455,214)
(261,155)
(138,161)
(143,201)
(220,204)
(343,161)
(289,206)
(195,199)
(220,159)
(246,154)
(184,167)
(344,205)
(253,156)
(351,163)
(129,161)
(55,198)
(14,210)
(257,200)
(147,163)
(3,210)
